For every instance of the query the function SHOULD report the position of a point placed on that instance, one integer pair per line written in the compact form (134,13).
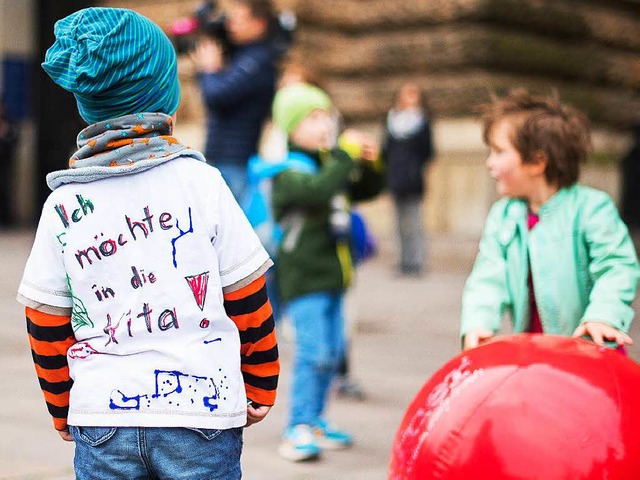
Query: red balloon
(527,407)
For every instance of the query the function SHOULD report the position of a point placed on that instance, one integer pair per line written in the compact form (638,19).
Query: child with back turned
(554,254)
(148,318)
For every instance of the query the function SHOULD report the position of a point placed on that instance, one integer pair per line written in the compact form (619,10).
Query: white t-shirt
(142,259)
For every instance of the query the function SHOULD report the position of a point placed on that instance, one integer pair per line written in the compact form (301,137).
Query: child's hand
(65,435)
(359,145)
(256,414)
(475,337)
(599,332)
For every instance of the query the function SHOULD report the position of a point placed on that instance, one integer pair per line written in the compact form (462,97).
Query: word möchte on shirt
(136,229)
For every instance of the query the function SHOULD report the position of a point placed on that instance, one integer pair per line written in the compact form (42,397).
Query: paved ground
(405,329)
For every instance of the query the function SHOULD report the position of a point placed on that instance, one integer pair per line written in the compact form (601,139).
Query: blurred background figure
(238,87)
(295,73)
(313,204)
(8,141)
(407,149)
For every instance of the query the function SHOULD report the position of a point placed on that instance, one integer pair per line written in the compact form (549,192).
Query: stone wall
(460,49)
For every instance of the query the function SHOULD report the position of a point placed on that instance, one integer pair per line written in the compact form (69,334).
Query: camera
(207,20)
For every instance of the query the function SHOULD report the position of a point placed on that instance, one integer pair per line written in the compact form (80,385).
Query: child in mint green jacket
(554,254)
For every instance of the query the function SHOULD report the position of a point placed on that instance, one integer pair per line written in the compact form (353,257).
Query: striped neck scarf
(121,146)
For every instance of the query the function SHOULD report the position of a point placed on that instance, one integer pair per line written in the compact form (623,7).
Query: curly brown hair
(542,125)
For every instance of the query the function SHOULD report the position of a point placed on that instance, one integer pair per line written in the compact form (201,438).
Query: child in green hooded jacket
(314,258)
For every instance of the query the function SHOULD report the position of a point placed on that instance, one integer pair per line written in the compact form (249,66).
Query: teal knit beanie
(115,62)
(293,104)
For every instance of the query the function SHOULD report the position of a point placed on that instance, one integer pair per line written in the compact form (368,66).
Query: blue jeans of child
(156,453)
(319,345)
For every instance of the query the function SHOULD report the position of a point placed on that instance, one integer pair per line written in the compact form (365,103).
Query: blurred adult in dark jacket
(408,149)
(238,89)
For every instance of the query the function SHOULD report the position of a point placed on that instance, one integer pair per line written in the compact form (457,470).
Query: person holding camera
(238,87)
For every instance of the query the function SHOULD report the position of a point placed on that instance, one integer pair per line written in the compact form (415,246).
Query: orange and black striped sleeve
(50,336)
(251,311)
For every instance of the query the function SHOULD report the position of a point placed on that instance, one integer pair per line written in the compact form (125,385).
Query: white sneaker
(299,444)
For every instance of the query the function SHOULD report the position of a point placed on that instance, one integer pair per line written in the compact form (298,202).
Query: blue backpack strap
(259,169)
(256,203)
(301,162)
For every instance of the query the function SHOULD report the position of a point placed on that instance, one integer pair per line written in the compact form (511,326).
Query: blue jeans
(156,453)
(235,174)
(319,347)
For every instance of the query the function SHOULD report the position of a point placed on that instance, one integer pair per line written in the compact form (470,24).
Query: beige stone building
(458,51)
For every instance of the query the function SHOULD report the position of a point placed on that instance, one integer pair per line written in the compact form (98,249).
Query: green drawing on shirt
(79,316)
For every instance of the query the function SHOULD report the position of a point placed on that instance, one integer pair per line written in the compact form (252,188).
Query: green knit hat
(293,104)
(115,62)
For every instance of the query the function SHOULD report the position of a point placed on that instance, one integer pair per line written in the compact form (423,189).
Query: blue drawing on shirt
(172,389)
(119,401)
(182,234)
(169,382)
(208,402)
